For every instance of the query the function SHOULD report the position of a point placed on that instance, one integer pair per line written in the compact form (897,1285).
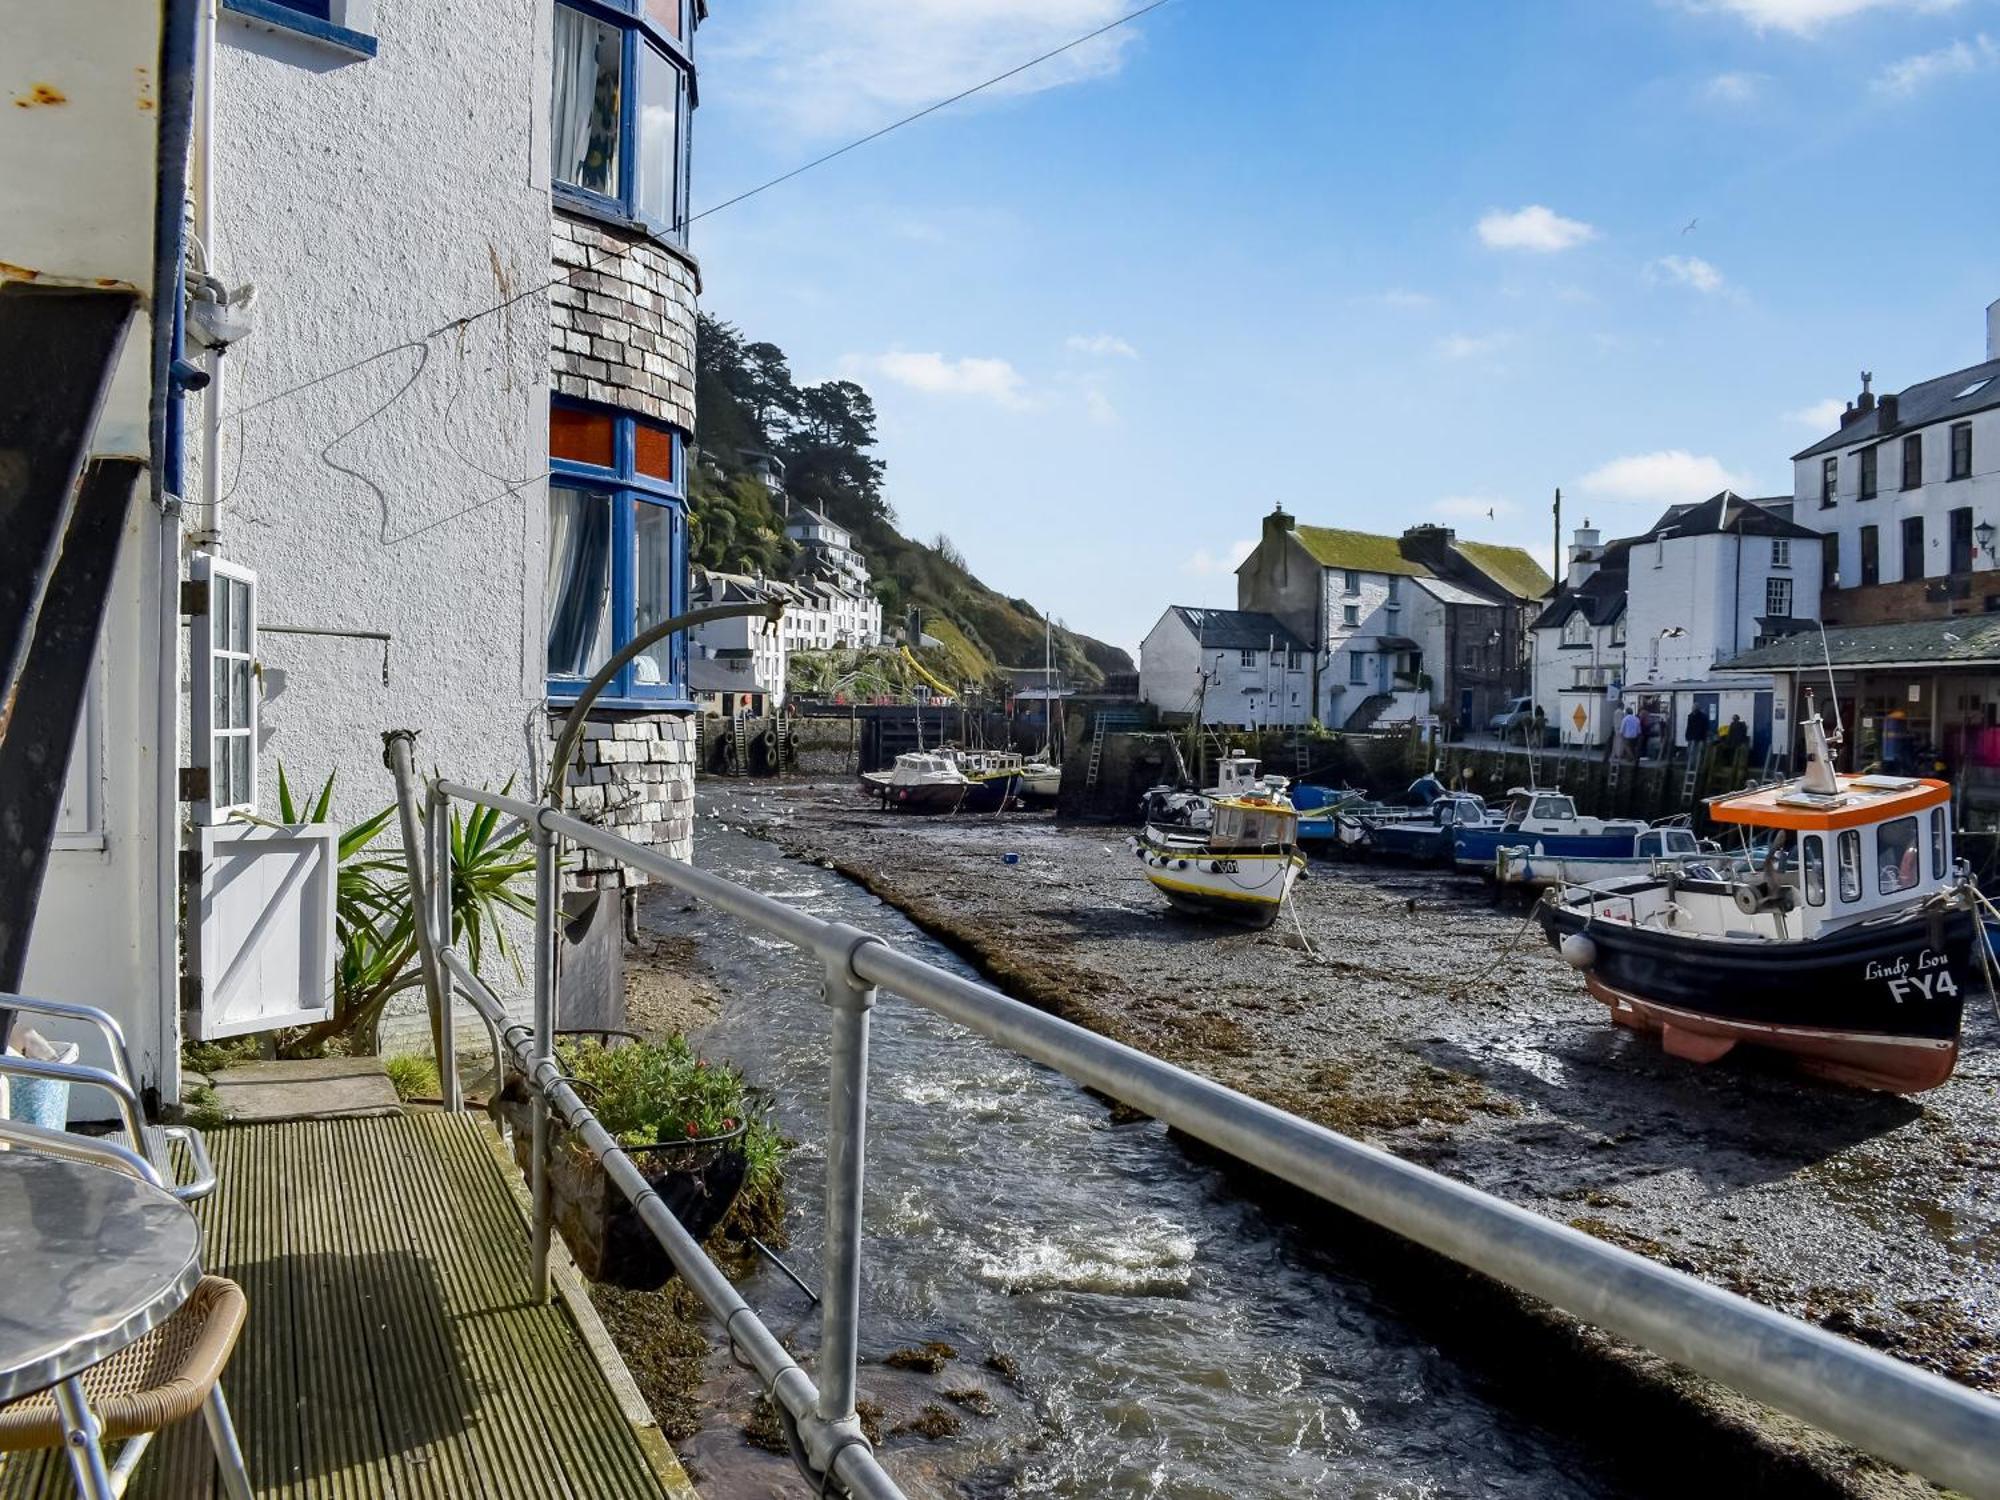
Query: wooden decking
(391,1350)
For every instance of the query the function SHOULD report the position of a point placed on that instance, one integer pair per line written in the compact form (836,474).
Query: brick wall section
(1917,599)
(634,776)
(622,333)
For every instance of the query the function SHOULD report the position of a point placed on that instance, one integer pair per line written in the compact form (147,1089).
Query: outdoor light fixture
(1983,534)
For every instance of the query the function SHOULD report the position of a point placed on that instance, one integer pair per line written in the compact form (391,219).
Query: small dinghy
(1849,946)
(1240,867)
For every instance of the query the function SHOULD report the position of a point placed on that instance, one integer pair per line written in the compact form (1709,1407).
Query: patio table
(90,1259)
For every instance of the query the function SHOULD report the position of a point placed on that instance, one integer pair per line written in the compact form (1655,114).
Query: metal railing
(1893,1410)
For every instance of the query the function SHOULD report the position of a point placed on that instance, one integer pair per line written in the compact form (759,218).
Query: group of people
(1640,733)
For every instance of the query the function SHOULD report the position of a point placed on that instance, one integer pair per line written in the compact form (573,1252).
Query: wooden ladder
(1096,754)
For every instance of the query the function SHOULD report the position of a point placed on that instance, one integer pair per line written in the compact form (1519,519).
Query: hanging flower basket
(697,1176)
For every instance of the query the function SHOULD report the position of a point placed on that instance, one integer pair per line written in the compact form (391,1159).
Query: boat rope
(1459,989)
(1986,956)
(1298,926)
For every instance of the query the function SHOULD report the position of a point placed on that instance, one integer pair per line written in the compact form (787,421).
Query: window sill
(272,16)
(583,204)
(679,705)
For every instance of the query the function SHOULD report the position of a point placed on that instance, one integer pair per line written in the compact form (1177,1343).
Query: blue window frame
(617,560)
(622,94)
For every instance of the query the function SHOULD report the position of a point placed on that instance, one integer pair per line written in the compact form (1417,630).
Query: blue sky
(1381,262)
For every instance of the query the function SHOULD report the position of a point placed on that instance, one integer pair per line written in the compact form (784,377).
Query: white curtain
(575,93)
(577,587)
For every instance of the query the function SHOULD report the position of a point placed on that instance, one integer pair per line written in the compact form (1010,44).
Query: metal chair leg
(222,1437)
(82,1443)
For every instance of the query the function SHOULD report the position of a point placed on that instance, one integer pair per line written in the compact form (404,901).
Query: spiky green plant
(375,923)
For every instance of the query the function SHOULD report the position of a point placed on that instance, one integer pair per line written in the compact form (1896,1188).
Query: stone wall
(633,776)
(623,331)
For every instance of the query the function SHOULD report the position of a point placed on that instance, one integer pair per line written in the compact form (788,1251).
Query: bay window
(617,552)
(623,85)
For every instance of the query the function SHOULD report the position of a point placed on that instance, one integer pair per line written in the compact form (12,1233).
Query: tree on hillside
(827,465)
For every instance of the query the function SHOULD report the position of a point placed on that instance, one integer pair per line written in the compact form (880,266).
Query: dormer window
(1576,631)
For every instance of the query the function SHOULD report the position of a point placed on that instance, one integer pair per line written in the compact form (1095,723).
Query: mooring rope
(1459,989)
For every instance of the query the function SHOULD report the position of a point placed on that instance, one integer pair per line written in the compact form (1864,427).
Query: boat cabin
(1534,810)
(1456,809)
(1666,843)
(1242,776)
(1253,824)
(1870,845)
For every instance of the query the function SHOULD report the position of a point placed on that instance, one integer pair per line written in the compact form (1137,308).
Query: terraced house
(1399,628)
(435,398)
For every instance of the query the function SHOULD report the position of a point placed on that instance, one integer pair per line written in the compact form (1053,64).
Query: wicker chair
(168,1375)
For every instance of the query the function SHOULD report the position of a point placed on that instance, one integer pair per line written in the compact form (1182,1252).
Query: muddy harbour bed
(1406,1009)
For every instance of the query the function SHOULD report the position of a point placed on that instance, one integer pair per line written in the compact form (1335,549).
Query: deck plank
(392,1352)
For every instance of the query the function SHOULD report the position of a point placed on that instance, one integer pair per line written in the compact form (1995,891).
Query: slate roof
(1963,640)
(1727,512)
(1446,592)
(1510,567)
(1234,629)
(1600,599)
(1363,551)
(1918,406)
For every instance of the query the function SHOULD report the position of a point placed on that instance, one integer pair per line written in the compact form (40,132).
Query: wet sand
(1409,1010)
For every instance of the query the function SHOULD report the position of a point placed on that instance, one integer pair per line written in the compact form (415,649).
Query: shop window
(617,552)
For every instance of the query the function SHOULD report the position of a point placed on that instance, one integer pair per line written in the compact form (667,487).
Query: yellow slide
(936,686)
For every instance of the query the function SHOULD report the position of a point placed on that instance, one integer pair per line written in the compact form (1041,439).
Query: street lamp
(1983,534)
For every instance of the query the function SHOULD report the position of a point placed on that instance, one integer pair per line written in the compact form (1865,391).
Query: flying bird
(1489,512)
(1690,226)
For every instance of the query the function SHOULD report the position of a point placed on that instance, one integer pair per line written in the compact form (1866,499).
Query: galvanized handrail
(1891,1409)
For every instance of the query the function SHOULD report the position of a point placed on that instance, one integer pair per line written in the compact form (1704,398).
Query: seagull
(1690,226)
(1489,512)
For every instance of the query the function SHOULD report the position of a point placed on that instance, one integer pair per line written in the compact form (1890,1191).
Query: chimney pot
(1888,406)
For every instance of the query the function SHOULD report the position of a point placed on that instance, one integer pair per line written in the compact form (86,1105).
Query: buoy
(1578,951)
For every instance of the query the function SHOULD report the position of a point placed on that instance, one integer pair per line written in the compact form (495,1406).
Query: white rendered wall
(374,202)
(1935,500)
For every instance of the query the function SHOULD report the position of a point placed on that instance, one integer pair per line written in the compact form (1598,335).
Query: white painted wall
(1713,587)
(1379,609)
(1559,667)
(1268,691)
(1934,500)
(373,202)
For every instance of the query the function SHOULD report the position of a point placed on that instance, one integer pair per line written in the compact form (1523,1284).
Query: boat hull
(1247,889)
(1535,869)
(991,793)
(918,797)
(1480,848)
(1876,1006)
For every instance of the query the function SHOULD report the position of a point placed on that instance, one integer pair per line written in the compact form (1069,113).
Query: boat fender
(1180,864)
(1578,951)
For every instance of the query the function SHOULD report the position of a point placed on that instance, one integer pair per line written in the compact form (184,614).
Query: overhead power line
(931,109)
(466,320)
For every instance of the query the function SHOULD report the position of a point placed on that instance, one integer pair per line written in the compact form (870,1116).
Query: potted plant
(696,1130)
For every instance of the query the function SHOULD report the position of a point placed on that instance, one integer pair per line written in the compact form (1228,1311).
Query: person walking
(1630,730)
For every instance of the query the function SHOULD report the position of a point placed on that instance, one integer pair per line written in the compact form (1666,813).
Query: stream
(1170,1338)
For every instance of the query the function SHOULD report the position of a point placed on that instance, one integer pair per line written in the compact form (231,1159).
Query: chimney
(1993,329)
(1430,545)
(1583,555)
(1887,406)
(1866,401)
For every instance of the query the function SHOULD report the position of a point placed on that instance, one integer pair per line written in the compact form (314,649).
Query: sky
(1379,263)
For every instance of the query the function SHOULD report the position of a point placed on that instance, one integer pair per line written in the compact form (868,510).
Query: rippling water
(1173,1340)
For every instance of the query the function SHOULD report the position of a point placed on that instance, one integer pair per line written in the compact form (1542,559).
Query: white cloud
(992,380)
(1105,344)
(1405,299)
(1821,416)
(1207,564)
(1913,74)
(1535,228)
(1686,270)
(1804,17)
(836,67)
(1097,406)
(1735,88)
(1470,346)
(1669,477)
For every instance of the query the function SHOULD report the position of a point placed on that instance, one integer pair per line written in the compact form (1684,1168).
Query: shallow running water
(1173,1339)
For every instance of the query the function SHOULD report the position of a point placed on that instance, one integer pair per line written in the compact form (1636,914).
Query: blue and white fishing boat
(1429,838)
(1548,821)
(1529,867)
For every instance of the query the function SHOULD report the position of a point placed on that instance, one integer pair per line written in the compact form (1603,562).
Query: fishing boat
(1849,946)
(993,779)
(1040,781)
(1355,820)
(1536,817)
(1240,867)
(921,781)
(1530,867)
(1427,839)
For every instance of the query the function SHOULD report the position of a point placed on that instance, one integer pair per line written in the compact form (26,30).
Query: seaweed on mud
(933,1422)
(929,1358)
(663,1338)
(1004,1366)
(973,1399)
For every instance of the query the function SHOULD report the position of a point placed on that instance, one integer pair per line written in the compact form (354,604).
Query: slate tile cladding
(633,776)
(622,332)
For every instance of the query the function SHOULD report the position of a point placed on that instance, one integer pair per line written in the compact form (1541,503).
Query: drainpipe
(206,529)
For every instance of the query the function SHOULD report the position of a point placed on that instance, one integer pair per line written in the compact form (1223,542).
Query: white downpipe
(208,526)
